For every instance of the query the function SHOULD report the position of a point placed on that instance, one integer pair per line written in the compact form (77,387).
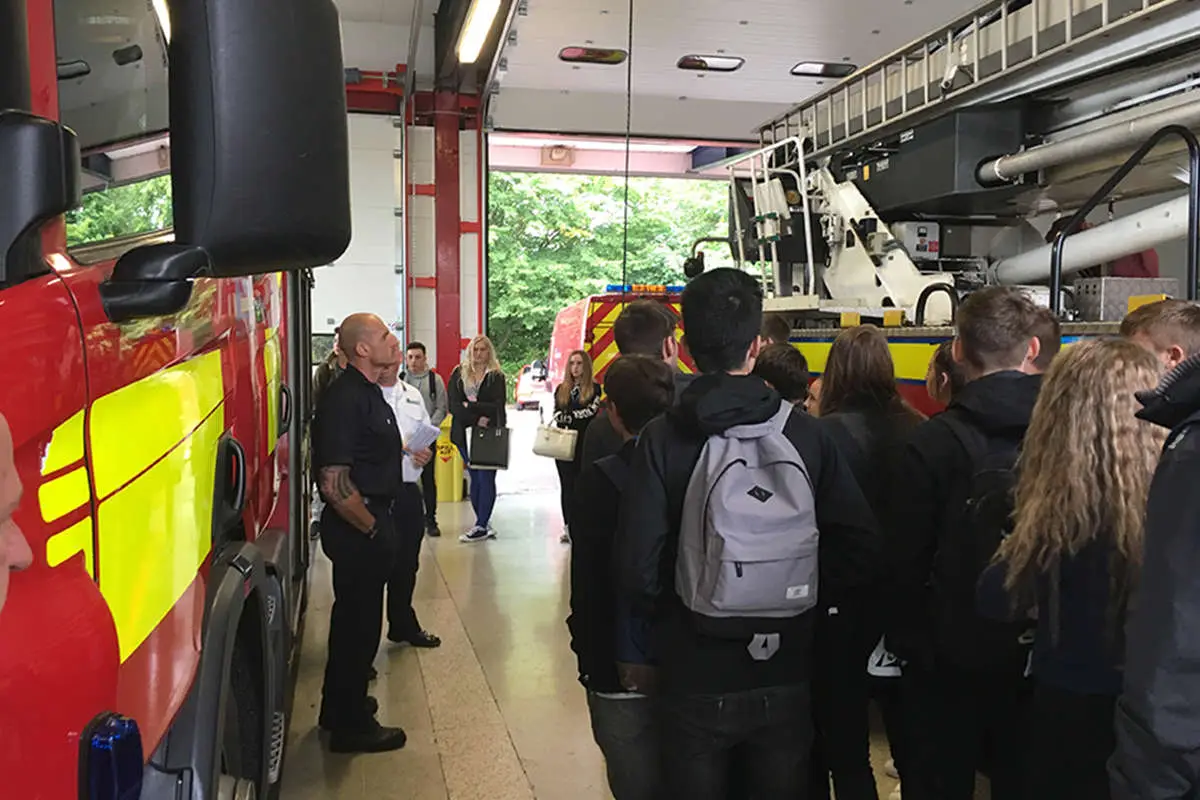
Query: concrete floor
(496,712)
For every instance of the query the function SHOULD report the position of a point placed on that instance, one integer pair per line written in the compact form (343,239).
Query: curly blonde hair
(1085,467)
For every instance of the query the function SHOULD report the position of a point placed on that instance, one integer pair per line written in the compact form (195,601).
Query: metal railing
(954,62)
(1101,194)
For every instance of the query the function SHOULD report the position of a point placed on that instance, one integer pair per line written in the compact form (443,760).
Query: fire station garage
(182,273)
(894,105)
(752,94)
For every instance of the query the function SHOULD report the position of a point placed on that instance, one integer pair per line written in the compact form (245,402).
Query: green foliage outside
(555,239)
(142,207)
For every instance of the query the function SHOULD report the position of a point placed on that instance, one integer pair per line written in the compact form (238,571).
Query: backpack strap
(973,440)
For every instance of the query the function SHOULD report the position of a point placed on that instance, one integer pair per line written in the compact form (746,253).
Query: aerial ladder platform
(920,177)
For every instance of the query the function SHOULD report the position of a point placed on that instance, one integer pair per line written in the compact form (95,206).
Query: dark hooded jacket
(1158,715)
(601,438)
(651,514)
(934,478)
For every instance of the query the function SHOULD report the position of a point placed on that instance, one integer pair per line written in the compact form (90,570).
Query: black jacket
(933,479)
(1158,715)
(594,620)
(464,413)
(601,439)
(648,535)
(872,441)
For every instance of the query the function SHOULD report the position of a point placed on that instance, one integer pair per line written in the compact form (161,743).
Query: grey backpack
(748,539)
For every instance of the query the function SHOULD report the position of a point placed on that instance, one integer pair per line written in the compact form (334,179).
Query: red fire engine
(587,325)
(157,384)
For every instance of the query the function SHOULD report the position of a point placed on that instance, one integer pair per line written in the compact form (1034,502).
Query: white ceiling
(772,35)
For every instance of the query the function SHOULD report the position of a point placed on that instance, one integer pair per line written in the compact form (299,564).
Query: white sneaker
(477,534)
(889,769)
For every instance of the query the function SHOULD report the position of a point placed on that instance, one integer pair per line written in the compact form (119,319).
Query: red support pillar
(446,218)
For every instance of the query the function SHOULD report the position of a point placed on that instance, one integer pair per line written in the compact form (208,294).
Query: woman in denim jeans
(477,396)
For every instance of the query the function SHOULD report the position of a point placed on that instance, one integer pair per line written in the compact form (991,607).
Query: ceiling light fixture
(593,55)
(478,25)
(821,69)
(164,18)
(711,63)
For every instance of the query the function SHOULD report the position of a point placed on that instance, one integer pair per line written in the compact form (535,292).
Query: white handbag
(555,442)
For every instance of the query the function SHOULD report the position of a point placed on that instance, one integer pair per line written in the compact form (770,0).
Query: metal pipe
(1098,142)
(810,273)
(1107,242)
(1105,191)
(737,221)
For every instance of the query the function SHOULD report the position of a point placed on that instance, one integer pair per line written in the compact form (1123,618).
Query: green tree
(555,239)
(142,207)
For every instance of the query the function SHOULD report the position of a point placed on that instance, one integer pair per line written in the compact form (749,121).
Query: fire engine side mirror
(39,160)
(259,144)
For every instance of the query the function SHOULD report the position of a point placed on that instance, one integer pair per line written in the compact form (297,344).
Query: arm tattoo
(336,484)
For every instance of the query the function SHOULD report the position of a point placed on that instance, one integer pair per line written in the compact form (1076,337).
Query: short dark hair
(1166,323)
(722,315)
(995,325)
(640,387)
(1048,331)
(642,327)
(786,369)
(416,346)
(775,329)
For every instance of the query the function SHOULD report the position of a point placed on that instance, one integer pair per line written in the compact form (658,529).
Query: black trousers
(841,700)
(429,494)
(360,568)
(752,744)
(1072,736)
(410,530)
(957,723)
(568,471)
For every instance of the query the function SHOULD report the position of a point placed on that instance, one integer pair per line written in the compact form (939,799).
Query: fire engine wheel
(242,749)
(236,789)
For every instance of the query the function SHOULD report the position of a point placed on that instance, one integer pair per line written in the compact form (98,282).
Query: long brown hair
(1085,468)
(859,374)
(586,383)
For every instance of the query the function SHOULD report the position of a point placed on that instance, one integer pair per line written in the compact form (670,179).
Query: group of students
(1015,557)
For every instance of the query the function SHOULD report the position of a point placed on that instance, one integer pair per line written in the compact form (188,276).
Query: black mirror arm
(153,281)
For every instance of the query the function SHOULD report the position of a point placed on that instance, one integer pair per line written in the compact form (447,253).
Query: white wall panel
(422,241)
(380,46)
(364,279)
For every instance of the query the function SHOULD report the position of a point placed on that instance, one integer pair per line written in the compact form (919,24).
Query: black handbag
(489,448)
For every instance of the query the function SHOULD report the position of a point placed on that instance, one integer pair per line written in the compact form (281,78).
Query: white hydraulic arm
(868,266)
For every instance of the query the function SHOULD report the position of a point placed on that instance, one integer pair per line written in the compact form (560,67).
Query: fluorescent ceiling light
(820,69)
(164,18)
(475,30)
(700,63)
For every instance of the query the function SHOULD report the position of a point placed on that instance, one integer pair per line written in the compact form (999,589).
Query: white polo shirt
(409,407)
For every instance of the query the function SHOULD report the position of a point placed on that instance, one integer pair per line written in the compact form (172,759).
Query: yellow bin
(448,468)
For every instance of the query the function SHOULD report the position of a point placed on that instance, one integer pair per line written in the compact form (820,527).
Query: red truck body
(165,499)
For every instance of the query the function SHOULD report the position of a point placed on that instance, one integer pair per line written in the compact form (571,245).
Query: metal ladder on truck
(1002,50)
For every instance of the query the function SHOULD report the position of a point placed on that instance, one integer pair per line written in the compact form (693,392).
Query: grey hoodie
(430,385)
